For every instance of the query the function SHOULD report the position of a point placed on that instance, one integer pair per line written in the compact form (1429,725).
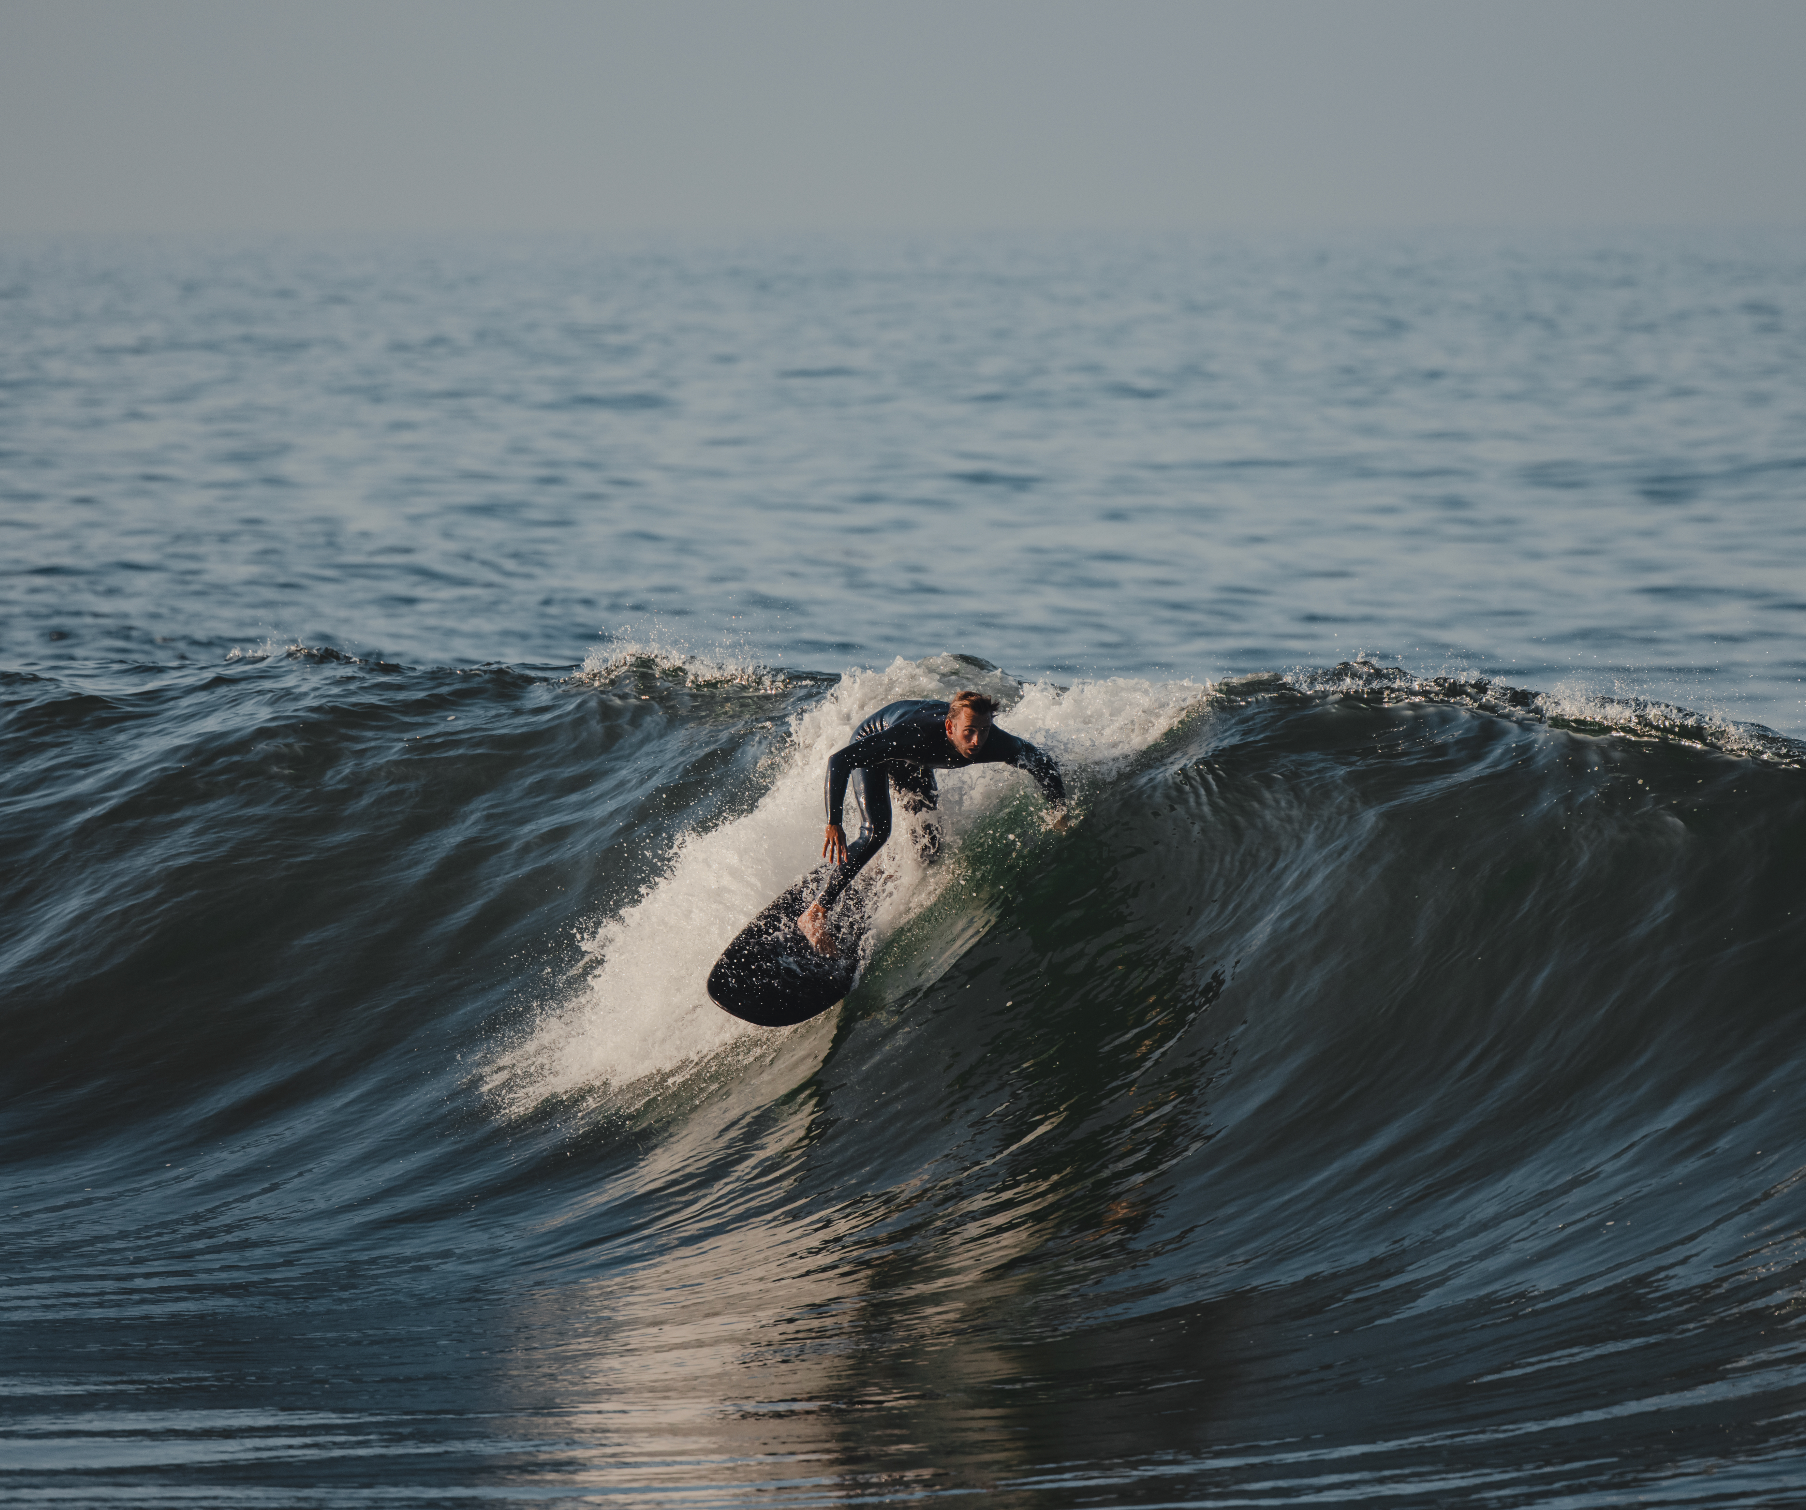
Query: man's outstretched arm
(1040,765)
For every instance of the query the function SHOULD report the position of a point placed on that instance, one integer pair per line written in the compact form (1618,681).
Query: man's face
(968,731)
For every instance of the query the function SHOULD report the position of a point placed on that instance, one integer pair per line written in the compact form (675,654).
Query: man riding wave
(902,745)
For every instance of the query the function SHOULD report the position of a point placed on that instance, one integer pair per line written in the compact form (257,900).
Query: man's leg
(873,793)
(917,793)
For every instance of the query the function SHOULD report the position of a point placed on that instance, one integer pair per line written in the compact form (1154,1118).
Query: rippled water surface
(1563,460)
(418,660)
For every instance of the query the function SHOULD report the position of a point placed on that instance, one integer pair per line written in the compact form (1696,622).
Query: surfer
(902,745)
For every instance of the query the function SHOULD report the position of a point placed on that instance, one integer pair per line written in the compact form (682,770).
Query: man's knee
(870,841)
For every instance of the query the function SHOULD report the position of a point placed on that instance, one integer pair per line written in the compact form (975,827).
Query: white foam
(267,650)
(1575,702)
(678,662)
(642,1018)
(1579,700)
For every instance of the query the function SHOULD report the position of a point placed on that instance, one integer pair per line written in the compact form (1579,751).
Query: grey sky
(196,115)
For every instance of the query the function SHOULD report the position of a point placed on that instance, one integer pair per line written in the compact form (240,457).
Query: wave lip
(1567,707)
(657,660)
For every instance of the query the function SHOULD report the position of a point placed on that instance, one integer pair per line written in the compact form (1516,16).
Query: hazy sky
(200,115)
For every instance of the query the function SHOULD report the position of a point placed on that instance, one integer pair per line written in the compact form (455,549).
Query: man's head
(969,717)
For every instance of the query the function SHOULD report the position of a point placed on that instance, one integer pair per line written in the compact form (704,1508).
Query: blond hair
(976,702)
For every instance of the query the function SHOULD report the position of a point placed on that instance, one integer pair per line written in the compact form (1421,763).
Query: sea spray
(640,1018)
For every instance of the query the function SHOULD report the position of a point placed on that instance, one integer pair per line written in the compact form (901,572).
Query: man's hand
(1059,818)
(834,847)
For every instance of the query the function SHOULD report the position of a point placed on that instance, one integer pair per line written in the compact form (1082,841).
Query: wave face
(1386,1090)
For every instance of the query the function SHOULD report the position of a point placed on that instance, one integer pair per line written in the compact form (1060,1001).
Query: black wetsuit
(902,745)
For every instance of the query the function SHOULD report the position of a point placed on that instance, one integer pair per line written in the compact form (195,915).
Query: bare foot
(813,925)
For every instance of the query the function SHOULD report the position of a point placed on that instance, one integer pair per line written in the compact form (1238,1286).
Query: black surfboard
(771,976)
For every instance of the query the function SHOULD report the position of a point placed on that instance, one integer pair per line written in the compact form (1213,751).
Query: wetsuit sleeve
(860,755)
(1038,763)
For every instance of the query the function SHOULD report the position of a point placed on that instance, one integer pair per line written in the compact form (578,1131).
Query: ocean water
(418,659)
